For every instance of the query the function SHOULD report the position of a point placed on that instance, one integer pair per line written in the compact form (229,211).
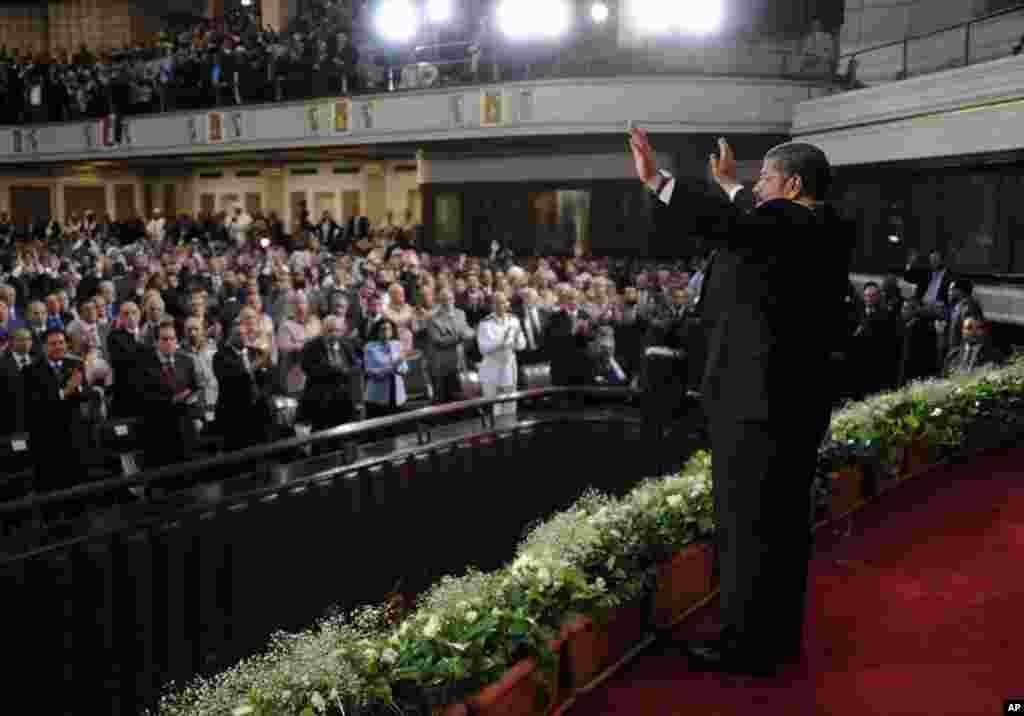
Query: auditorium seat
(15,466)
(120,446)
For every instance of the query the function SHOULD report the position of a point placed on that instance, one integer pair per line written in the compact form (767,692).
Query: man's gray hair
(807,162)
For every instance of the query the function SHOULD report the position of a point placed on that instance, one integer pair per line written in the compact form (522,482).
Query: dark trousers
(762,474)
(447,387)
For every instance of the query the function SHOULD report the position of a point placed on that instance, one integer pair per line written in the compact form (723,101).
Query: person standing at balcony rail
(767,389)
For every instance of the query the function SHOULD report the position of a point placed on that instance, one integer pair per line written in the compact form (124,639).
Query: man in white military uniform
(500,335)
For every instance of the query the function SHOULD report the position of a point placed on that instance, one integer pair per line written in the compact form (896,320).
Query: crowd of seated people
(327,50)
(226,61)
(197,327)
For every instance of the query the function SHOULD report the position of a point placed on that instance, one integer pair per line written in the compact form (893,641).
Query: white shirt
(499,339)
(666,191)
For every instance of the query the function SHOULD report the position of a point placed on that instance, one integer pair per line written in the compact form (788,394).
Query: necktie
(168,374)
(530,342)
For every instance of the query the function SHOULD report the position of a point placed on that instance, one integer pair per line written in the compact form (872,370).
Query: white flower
(674,500)
(318,701)
(471,617)
(610,564)
(599,583)
(544,575)
(389,656)
(937,412)
(432,628)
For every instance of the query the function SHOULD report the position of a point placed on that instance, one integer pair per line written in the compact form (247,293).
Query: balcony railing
(978,40)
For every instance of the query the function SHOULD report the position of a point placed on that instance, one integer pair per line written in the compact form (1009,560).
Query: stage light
(599,12)
(894,239)
(396,20)
(439,11)
(695,17)
(246,3)
(532,19)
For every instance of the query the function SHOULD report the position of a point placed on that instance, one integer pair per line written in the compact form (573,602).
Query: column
(277,13)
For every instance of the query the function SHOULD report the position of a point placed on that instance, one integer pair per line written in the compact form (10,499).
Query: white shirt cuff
(666,191)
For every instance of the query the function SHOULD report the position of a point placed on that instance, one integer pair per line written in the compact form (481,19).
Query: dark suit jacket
(331,391)
(878,348)
(570,364)
(243,411)
(127,358)
(921,277)
(170,433)
(59,434)
(755,306)
(12,396)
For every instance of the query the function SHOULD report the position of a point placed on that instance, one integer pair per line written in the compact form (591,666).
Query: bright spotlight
(532,19)
(396,20)
(599,12)
(894,239)
(653,17)
(246,3)
(439,11)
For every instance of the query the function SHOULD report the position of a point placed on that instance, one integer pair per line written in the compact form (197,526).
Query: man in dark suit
(12,389)
(974,352)
(931,282)
(244,378)
(447,332)
(631,331)
(765,388)
(55,388)
(329,234)
(334,387)
(173,398)
(127,354)
(526,307)
(567,335)
(962,306)
(877,345)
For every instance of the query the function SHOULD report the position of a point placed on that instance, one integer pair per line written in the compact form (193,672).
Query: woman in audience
(291,338)
(385,364)
(265,325)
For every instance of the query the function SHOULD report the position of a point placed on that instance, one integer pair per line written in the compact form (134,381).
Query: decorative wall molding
(662,103)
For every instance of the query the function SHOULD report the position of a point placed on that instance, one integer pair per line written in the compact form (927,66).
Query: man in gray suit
(447,330)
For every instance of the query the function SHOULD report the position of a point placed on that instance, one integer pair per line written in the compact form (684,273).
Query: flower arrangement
(467,631)
(601,553)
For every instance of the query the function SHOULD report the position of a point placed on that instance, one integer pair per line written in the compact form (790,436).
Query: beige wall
(275,186)
(23,27)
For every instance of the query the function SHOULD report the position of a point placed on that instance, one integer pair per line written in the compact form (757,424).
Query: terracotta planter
(591,647)
(847,490)
(522,691)
(682,582)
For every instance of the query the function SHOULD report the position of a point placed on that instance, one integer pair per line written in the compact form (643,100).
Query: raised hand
(643,156)
(723,166)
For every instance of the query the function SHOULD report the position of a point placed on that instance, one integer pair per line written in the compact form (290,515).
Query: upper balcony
(989,37)
(710,86)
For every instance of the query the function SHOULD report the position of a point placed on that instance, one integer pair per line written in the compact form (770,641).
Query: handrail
(905,42)
(155,477)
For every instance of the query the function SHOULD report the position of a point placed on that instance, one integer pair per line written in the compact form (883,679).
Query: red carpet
(919,611)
